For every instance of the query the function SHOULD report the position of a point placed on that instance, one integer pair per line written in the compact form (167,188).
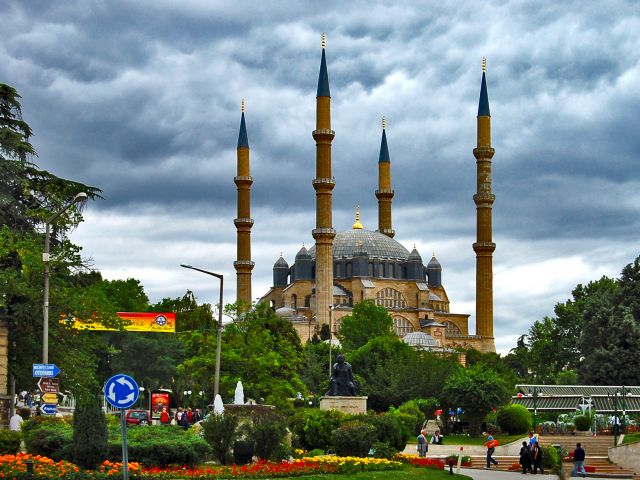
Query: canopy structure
(603,399)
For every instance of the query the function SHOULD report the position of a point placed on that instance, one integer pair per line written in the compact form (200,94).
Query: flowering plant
(435,463)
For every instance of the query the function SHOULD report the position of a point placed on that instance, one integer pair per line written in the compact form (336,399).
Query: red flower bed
(427,463)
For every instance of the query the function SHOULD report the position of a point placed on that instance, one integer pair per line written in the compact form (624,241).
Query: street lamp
(80,197)
(187,394)
(330,338)
(141,396)
(216,383)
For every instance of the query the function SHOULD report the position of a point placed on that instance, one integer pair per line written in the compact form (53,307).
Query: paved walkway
(498,475)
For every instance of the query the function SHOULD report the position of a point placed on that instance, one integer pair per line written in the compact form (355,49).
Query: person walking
(578,461)
(422,444)
(165,419)
(525,457)
(536,458)
(491,444)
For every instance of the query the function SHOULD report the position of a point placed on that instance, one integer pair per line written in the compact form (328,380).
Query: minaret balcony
(484,247)
(384,193)
(243,222)
(244,264)
(484,199)
(323,134)
(484,153)
(323,183)
(243,180)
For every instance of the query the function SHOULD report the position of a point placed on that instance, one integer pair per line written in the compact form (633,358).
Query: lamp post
(201,393)
(535,408)
(141,396)
(80,197)
(187,396)
(216,383)
(330,338)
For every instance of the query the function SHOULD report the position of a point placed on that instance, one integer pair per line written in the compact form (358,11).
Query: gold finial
(414,246)
(358,225)
(324,41)
(242,107)
(384,123)
(484,64)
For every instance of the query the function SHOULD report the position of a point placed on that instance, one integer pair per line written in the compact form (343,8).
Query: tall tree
(367,321)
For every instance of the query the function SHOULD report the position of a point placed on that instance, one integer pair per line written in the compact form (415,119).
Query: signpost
(45,370)
(121,391)
(50,398)
(49,385)
(49,409)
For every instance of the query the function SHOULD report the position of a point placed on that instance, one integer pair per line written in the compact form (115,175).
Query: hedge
(514,419)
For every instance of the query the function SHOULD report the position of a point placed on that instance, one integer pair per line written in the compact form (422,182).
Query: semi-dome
(375,244)
(420,340)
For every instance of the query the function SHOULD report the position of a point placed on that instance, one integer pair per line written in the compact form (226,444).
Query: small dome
(281,263)
(434,263)
(286,312)
(414,255)
(420,340)
(303,253)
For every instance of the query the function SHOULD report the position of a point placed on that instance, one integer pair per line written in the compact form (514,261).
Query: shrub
(582,423)
(384,450)
(406,421)
(388,429)
(267,434)
(89,434)
(219,432)
(551,459)
(410,408)
(48,436)
(514,419)
(354,439)
(314,428)
(9,442)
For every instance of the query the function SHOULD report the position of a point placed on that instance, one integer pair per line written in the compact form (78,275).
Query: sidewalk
(500,475)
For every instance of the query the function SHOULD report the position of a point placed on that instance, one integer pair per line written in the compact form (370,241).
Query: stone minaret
(384,192)
(484,199)
(244,222)
(323,185)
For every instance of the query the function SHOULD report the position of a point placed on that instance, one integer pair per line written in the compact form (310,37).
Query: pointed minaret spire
(243,223)
(358,225)
(484,198)
(384,194)
(323,184)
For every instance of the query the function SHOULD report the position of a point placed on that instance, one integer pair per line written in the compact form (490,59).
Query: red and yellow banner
(140,322)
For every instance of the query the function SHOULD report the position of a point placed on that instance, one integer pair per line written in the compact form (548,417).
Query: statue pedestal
(351,405)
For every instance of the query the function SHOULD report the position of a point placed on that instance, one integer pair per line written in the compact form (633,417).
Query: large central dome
(376,245)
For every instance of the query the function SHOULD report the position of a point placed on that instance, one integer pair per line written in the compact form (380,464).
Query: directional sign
(45,370)
(49,408)
(50,398)
(49,385)
(121,391)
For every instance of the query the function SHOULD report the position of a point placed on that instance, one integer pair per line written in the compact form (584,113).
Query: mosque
(344,268)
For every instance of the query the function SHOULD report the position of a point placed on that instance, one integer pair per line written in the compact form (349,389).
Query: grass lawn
(631,438)
(407,473)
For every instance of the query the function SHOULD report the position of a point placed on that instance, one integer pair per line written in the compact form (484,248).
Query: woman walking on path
(491,447)
(536,457)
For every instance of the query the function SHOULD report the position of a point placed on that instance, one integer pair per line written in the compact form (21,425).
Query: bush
(89,434)
(267,434)
(384,450)
(406,422)
(219,432)
(389,429)
(314,428)
(551,459)
(514,419)
(9,442)
(582,423)
(48,436)
(354,439)
(160,446)
(410,408)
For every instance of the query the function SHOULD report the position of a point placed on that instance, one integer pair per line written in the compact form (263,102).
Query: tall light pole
(330,339)
(80,197)
(219,341)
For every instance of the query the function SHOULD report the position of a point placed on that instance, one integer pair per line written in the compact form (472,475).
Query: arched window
(390,298)
(402,326)
(451,329)
(389,269)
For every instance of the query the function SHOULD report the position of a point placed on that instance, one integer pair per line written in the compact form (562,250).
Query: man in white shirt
(15,421)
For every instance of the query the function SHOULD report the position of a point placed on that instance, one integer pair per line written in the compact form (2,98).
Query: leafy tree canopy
(367,321)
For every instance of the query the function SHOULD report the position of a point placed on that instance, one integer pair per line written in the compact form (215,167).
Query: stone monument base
(351,405)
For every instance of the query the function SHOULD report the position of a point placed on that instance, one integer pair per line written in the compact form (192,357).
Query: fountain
(239,395)
(218,407)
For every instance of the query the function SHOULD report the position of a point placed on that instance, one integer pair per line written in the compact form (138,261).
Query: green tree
(477,390)
(367,321)
(89,433)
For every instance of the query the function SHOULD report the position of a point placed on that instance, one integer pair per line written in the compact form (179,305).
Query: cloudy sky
(142,99)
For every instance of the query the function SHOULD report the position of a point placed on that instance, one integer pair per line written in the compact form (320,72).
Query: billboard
(140,322)
(159,400)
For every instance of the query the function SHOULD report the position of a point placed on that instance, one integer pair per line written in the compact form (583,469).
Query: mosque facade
(325,281)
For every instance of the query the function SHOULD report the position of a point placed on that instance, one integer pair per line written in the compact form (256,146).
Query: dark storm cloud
(142,100)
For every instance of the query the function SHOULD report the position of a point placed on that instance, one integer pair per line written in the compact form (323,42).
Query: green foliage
(514,419)
(411,408)
(9,442)
(314,427)
(160,445)
(49,436)
(477,389)
(406,421)
(366,322)
(315,367)
(582,422)
(220,432)
(551,459)
(354,438)
(388,428)
(427,406)
(89,433)
(268,434)
(384,450)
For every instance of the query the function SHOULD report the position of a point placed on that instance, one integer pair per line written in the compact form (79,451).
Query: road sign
(49,408)
(49,385)
(45,370)
(50,398)
(121,391)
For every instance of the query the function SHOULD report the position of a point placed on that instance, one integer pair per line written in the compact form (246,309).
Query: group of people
(531,455)
(423,447)
(184,418)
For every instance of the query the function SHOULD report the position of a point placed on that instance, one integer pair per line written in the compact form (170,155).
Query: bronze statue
(342,381)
